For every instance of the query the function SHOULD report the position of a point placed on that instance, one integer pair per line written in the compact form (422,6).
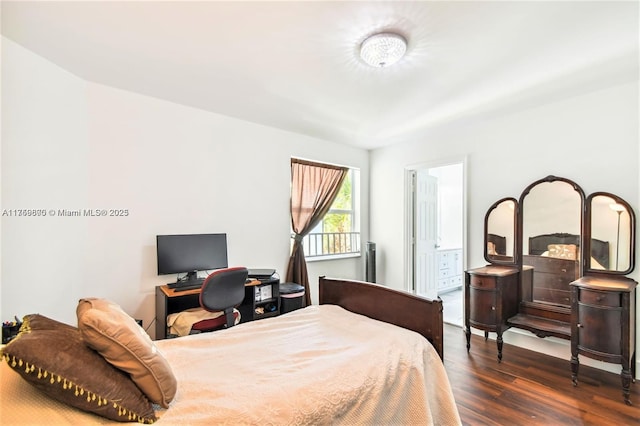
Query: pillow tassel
(78,391)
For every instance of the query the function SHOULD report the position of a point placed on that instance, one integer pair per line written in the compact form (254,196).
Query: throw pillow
(109,330)
(563,251)
(52,356)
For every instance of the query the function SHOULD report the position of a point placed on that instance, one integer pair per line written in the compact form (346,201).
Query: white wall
(44,166)
(78,145)
(591,139)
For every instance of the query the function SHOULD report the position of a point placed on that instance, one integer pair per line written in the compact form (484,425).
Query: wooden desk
(256,304)
(171,292)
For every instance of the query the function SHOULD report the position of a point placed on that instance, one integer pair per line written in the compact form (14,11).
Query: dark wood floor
(530,388)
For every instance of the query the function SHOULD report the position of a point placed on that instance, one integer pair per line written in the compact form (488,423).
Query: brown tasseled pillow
(52,356)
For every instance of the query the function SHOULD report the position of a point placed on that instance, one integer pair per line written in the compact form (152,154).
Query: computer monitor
(190,253)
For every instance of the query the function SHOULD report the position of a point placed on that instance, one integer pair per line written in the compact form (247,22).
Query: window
(338,233)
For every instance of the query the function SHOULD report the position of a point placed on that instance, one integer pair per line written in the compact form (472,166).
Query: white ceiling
(294,65)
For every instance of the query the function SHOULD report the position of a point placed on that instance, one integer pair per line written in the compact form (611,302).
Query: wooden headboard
(600,252)
(500,243)
(540,243)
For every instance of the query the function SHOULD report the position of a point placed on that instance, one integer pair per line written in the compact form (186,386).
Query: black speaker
(370,257)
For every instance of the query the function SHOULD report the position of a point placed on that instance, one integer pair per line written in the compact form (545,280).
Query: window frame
(354,176)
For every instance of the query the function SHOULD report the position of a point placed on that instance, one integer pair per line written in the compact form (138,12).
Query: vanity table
(558,262)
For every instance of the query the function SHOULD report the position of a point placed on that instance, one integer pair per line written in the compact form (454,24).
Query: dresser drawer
(479,281)
(600,298)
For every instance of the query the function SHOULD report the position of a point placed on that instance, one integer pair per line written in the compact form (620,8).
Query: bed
(366,355)
(498,244)
(497,248)
(539,245)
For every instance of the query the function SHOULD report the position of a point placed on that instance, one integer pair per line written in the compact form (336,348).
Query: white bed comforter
(314,366)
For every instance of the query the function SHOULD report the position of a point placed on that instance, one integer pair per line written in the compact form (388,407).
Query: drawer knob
(493,308)
(599,298)
(579,325)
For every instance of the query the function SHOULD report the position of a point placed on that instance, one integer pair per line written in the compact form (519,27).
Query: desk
(261,300)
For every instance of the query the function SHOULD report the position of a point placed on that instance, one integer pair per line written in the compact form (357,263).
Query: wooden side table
(491,297)
(603,318)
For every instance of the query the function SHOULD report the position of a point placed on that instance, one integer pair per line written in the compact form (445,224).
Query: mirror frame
(586,259)
(515,233)
(520,225)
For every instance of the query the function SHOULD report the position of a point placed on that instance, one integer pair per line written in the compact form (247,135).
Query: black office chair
(222,290)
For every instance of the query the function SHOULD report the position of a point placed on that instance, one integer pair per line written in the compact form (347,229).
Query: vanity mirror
(500,232)
(550,224)
(611,234)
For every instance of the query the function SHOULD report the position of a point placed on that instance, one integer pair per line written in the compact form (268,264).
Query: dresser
(490,298)
(573,252)
(603,318)
(261,300)
(449,269)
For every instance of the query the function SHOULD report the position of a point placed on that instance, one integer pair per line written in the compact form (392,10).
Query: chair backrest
(223,289)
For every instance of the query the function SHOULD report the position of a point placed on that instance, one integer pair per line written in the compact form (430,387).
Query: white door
(426,231)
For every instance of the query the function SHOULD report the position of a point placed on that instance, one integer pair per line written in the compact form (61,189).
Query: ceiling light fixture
(383,49)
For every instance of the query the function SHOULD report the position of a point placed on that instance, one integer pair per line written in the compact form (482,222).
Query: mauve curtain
(314,187)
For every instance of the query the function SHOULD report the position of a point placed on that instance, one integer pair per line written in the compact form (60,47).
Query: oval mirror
(551,214)
(611,242)
(500,232)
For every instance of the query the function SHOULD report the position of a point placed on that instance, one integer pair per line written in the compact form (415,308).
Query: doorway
(436,234)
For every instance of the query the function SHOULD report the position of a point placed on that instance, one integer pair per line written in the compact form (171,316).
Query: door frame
(409,214)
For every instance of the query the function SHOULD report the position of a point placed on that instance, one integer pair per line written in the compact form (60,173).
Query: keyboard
(187,287)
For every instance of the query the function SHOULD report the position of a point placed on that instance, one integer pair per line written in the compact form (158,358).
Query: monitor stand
(190,281)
